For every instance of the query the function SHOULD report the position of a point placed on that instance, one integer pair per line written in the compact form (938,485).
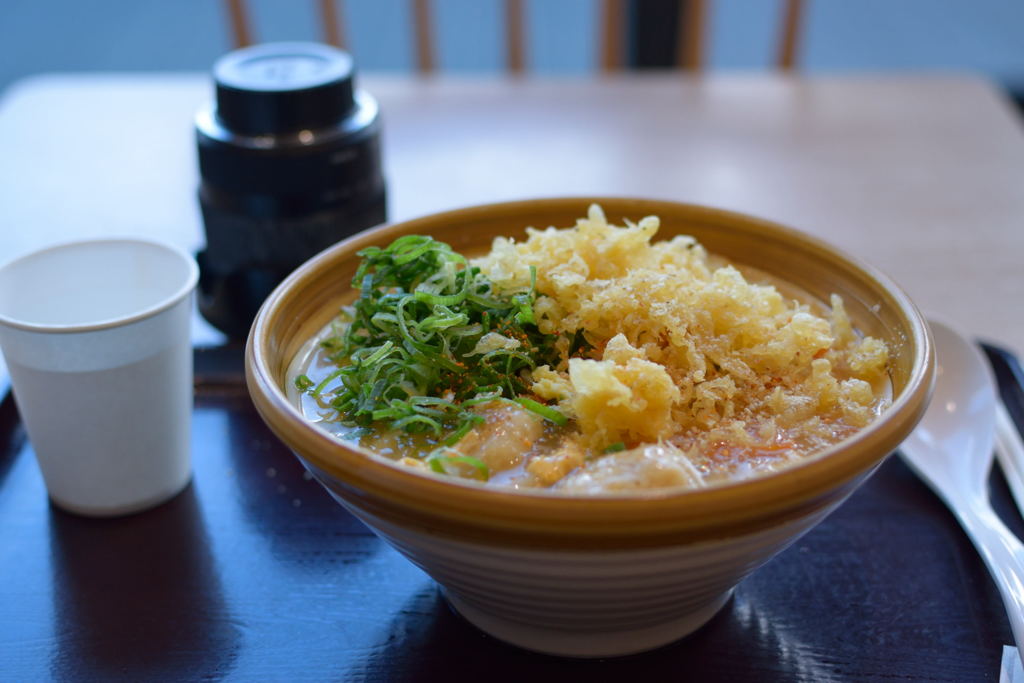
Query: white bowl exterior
(586,603)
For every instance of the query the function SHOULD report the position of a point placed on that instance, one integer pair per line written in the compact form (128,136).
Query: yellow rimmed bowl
(592,576)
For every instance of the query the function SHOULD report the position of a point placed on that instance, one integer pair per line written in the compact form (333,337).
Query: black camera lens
(289,155)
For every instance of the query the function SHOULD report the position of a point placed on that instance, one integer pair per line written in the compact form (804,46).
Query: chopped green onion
(403,348)
(547,412)
(302,383)
(615,447)
(439,299)
(525,301)
(319,389)
(437,463)
(378,355)
(417,423)
(463,429)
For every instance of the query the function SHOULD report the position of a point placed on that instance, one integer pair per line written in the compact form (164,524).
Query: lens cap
(280,88)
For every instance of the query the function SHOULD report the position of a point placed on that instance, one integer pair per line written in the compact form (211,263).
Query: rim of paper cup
(163,304)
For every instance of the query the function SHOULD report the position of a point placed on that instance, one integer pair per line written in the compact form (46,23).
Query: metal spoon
(951,450)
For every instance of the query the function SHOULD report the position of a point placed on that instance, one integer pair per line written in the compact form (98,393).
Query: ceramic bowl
(593,576)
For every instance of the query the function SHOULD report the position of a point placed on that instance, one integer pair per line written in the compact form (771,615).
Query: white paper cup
(96,339)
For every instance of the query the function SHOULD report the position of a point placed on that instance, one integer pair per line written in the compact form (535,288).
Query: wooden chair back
(611,40)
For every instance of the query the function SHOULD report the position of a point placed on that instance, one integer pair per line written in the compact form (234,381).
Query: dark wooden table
(254,573)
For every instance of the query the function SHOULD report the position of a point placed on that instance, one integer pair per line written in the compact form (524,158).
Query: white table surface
(922,176)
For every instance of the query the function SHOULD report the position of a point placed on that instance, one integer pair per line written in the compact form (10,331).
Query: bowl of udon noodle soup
(589,418)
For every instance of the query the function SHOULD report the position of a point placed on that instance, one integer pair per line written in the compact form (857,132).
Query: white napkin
(1010,670)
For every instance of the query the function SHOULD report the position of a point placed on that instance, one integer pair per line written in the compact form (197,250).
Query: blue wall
(842,35)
